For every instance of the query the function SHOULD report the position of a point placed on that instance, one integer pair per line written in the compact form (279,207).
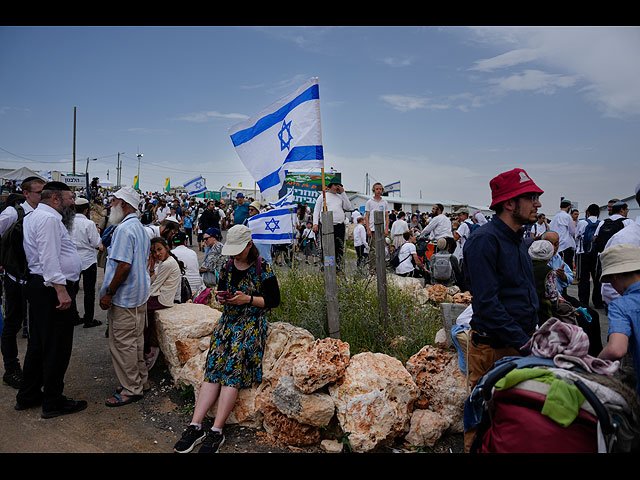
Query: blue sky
(442,109)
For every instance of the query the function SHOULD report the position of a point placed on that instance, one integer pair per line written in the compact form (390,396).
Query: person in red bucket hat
(499,275)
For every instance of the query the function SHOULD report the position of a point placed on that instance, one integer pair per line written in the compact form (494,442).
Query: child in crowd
(360,241)
(309,244)
(621,268)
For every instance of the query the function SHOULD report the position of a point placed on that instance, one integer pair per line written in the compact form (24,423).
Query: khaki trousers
(480,360)
(126,344)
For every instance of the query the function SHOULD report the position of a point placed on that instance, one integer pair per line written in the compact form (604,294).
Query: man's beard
(116,215)
(68,215)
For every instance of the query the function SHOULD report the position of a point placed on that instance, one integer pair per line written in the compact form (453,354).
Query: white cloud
(534,80)
(605,59)
(405,103)
(200,117)
(398,61)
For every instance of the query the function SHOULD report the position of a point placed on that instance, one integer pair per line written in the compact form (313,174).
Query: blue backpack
(587,236)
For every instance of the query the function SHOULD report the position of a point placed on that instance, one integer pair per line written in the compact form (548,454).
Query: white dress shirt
(9,215)
(191,266)
(438,227)
(615,216)
(359,235)
(86,238)
(564,226)
(336,202)
(580,228)
(48,247)
(629,234)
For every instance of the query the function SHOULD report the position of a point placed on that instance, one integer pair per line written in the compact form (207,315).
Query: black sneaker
(67,407)
(190,438)
(212,442)
(13,378)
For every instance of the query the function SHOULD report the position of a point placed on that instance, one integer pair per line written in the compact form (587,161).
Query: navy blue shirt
(499,275)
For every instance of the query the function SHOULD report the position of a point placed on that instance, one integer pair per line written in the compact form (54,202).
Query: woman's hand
(239,298)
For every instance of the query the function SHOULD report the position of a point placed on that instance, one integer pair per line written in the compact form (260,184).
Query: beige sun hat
(238,237)
(619,259)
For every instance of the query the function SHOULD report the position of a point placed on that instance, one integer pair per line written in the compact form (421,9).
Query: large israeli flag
(196,185)
(286,135)
(272,226)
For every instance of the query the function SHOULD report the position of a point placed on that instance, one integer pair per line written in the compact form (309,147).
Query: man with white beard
(124,294)
(54,266)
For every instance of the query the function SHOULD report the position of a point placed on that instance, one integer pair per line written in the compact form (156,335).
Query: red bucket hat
(511,184)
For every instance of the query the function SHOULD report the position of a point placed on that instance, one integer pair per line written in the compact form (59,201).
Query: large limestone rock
(426,428)
(284,343)
(315,409)
(407,283)
(183,331)
(374,400)
(323,362)
(443,386)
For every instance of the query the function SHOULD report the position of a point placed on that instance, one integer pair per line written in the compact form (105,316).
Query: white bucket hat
(541,250)
(128,195)
(619,259)
(238,237)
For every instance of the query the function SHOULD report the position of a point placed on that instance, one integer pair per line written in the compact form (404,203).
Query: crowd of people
(516,264)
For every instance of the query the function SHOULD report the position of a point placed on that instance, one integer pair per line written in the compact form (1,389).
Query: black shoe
(69,406)
(25,406)
(92,323)
(212,442)
(13,378)
(190,438)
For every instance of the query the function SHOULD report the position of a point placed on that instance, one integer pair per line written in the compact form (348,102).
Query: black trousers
(588,264)
(15,314)
(89,277)
(339,231)
(49,347)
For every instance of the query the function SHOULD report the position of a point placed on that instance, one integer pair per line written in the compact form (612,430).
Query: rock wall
(308,384)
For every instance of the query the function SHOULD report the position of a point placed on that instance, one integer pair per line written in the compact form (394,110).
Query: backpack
(12,256)
(441,269)
(185,290)
(607,230)
(421,247)
(587,236)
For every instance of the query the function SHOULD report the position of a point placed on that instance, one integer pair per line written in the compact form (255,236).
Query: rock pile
(310,383)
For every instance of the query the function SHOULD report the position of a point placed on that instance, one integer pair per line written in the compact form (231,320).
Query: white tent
(20,174)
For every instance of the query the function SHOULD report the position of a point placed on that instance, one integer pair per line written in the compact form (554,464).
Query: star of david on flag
(272,226)
(196,185)
(284,136)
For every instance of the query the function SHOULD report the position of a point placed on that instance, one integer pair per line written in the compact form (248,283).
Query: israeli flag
(284,136)
(196,185)
(272,226)
(285,201)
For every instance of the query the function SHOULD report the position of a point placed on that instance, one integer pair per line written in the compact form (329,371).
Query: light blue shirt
(624,317)
(130,244)
(557,262)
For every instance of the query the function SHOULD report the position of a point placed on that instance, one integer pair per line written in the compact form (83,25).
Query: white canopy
(20,174)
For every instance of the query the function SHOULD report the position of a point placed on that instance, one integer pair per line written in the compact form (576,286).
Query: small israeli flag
(285,201)
(196,185)
(284,136)
(272,226)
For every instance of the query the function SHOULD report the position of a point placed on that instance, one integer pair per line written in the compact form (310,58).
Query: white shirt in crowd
(9,215)
(538,229)
(359,235)
(192,269)
(48,247)
(85,236)
(373,205)
(163,213)
(563,225)
(438,227)
(355,215)
(580,229)
(464,230)
(629,234)
(399,227)
(407,250)
(336,202)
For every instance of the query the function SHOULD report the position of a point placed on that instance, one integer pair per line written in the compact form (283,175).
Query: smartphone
(224,294)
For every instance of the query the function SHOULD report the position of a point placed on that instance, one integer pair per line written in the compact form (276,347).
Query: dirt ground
(152,425)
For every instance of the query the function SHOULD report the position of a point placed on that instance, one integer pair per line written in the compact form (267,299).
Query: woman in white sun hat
(247,288)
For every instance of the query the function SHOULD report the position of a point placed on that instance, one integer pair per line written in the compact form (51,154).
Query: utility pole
(74,140)
(119,170)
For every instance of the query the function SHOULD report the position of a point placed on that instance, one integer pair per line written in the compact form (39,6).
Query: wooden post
(330,278)
(381,265)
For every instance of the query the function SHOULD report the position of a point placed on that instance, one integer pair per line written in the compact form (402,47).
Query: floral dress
(237,343)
